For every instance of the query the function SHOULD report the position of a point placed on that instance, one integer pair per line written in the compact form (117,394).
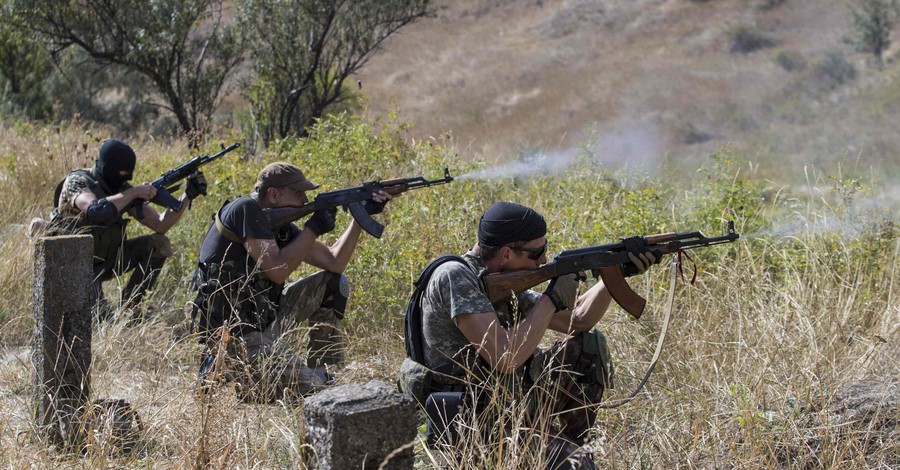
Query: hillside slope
(641,81)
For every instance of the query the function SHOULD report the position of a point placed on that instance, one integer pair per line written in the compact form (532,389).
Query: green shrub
(791,61)
(746,39)
(832,71)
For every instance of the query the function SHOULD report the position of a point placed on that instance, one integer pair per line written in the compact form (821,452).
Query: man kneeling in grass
(484,360)
(244,304)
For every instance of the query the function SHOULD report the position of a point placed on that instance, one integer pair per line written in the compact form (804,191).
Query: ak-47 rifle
(609,262)
(352,199)
(165,184)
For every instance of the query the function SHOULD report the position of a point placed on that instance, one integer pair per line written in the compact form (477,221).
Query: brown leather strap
(231,236)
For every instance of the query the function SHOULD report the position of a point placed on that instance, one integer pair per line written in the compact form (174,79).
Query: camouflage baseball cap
(283,174)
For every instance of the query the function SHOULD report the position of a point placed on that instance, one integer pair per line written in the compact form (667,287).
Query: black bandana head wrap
(507,222)
(115,156)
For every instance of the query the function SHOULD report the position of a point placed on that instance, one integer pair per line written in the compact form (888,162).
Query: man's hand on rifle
(377,203)
(642,261)
(563,291)
(196,186)
(144,192)
(322,221)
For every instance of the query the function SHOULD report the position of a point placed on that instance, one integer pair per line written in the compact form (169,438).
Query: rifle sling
(228,234)
(662,338)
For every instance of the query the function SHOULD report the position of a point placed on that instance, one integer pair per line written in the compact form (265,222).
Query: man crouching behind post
(469,345)
(245,306)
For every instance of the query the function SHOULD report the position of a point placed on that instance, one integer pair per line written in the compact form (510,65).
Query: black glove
(563,291)
(373,207)
(196,185)
(322,221)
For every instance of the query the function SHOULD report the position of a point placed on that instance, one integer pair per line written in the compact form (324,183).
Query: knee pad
(337,291)
(160,245)
(596,361)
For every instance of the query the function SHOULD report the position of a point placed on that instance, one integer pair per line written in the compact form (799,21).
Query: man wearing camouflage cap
(244,304)
(95,201)
(471,347)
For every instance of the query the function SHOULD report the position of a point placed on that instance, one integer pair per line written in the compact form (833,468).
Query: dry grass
(755,372)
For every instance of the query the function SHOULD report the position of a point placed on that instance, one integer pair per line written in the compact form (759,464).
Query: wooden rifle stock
(281,216)
(502,286)
(506,284)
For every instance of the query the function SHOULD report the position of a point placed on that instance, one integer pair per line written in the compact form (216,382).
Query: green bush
(746,39)
(791,61)
(832,71)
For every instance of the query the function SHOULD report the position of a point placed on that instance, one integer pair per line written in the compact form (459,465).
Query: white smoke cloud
(554,162)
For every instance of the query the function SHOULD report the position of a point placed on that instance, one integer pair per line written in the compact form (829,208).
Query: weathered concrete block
(361,426)
(61,351)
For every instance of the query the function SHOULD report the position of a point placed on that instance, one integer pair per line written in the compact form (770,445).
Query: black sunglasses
(533,253)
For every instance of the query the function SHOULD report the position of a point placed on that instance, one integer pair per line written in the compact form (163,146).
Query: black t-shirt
(245,218)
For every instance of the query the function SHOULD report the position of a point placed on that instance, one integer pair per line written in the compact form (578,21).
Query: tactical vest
(223,289)
(107,238)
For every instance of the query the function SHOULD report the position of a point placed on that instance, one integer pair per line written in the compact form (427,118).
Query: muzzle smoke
(852,220)
(552,163)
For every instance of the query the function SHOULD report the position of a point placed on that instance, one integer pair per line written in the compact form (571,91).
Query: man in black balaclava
(95,201)
(114,165)
(473,351)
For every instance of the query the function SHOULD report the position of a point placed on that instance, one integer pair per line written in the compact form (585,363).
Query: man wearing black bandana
(95,200)
(472,348)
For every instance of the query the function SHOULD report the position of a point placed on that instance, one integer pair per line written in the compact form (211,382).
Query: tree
(304,51)
(24,64)
(872,22)
(183,48)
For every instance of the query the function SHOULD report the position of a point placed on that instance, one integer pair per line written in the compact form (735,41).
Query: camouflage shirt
(454,290)
(77,182)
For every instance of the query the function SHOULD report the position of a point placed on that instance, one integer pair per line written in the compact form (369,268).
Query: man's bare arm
(506,350)
(279,263)
(588,310)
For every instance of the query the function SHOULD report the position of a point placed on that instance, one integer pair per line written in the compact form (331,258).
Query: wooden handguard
(659,238)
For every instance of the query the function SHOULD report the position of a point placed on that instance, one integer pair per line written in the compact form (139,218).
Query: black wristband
(554,297)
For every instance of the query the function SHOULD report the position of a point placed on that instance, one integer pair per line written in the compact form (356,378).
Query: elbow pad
(101,212)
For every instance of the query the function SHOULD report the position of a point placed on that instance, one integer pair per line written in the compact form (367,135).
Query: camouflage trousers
(568,380)
(560,388)
(144,256)
(265,364)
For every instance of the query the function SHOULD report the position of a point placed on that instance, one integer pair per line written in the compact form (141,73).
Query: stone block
(61,348)
(361,426)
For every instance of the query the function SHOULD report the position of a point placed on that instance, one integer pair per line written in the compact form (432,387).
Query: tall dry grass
(759,355)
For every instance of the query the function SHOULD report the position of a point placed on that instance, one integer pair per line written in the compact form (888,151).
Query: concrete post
(361,427)
(61,352)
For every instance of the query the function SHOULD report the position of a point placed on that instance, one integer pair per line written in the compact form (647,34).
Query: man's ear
(271,195)
(504,254)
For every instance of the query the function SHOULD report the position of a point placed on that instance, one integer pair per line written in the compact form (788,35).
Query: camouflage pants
(264,362)
(561,387)
(569,379)
(145,256)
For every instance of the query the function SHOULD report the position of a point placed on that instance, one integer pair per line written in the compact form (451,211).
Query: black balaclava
(508,222)
(114,157)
